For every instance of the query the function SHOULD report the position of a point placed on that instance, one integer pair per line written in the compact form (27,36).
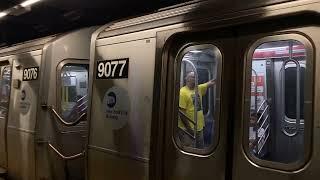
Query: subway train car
(43,96)
(207,90)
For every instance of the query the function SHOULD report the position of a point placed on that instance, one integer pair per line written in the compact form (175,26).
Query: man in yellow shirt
(186,121)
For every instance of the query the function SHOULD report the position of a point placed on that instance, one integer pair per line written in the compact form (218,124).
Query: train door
(5,87)
(261,102)
(68,116)
(274,141)
(198,105)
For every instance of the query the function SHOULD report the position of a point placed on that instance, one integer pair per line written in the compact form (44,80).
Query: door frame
(164,92)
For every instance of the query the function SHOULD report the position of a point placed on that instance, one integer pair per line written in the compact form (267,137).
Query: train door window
(5,84)
(278,105)
(198,76)
(290,90)
(74,90)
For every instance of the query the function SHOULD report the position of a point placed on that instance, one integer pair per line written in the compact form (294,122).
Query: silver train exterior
(38,119)
(259,120)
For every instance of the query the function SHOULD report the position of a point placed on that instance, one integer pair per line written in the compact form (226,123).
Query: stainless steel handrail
(83,97)
(62,121)
(82,104)
(264,111)
(257,110)
(260,139)
(4,108)
(261,105)
(265,131)
(264,122)
(187,133)
(84,108)
(189,120)
(196,93)
(76,156)
(259,150)
(297,91)
(185,116)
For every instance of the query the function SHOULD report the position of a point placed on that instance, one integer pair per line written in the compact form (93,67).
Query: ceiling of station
(48,17)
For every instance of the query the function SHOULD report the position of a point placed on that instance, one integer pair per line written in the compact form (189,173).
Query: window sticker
(116,106)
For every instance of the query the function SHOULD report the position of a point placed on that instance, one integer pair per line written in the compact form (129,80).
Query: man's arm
(203,87)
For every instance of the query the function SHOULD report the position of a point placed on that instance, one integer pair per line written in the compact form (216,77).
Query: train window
(277,101)
(290,90)
(5,84)
(198,94)
(74,90)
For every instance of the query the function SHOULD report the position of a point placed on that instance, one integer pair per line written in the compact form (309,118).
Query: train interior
(276,130)
(74,90)
(204,62)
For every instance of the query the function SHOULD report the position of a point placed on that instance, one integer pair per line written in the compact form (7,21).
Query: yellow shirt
(186,101)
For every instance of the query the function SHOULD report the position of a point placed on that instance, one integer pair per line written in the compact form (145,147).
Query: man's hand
(211,82)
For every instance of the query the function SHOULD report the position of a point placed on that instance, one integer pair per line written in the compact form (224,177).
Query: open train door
(258,118)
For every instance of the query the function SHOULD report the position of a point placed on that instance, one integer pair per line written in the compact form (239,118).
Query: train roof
(181,13)
(35,44)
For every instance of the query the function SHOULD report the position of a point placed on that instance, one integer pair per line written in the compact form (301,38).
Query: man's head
(190,80)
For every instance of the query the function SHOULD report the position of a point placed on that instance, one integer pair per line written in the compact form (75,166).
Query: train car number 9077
(30,73)
(113,69)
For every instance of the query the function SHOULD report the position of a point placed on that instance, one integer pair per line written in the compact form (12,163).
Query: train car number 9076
(113,69)
(30,73)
